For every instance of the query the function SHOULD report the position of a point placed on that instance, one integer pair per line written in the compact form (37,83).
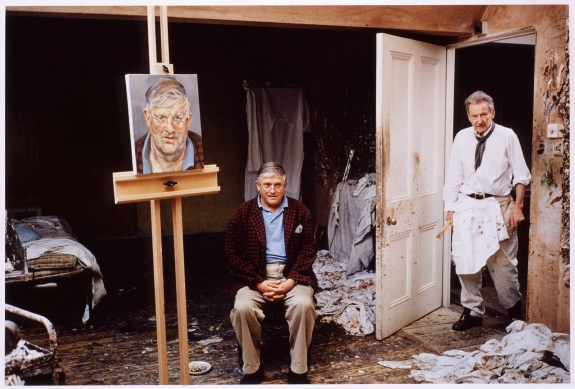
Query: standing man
(169,145)
(486,163)
(270,246)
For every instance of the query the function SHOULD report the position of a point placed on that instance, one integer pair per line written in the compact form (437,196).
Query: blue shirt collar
(188,157)
(283,204)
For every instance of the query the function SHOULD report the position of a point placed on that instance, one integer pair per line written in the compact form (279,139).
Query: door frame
(449,104)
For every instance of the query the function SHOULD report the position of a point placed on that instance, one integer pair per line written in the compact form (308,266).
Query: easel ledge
(129,188)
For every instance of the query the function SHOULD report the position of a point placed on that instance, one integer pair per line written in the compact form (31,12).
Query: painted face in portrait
(480,116)
(272,189)
(168,126)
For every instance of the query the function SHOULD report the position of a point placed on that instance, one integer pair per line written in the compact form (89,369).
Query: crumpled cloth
(347,301)
(22,351)
(351,223)
(396,364)
(478,227)
(46,226)
(518,358)
(328,271)
(56,238)
(36,248)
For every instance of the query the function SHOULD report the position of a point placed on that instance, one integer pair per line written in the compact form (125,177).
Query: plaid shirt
(246,240)
(198,152)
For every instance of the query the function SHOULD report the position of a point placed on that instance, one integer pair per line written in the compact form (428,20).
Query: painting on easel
(165,124)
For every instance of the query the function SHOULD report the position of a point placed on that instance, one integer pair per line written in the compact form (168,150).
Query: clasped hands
(275,290)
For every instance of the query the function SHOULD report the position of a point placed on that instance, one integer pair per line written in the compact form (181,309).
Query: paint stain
(555,200)
(541,149)
(547,179)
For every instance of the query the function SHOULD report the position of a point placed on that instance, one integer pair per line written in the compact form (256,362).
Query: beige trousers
(247,315)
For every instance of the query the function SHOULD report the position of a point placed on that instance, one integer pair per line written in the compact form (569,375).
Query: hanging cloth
(351,223)
(277,118)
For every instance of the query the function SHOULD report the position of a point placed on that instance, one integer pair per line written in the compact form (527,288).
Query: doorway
(505,70)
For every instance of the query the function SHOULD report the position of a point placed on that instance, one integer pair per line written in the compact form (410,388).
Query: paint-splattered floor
(118,346)
(120,349)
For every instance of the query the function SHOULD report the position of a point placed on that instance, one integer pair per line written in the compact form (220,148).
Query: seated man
(270,246)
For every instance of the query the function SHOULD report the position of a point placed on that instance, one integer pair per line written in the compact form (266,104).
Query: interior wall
(67,122)
(51,63)
(66,118)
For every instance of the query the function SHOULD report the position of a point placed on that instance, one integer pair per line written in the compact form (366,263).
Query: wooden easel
(129,188)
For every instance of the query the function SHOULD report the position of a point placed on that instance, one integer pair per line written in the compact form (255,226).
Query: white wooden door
(410,137)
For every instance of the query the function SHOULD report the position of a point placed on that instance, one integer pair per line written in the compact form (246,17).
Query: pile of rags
(529,353)
(347,301)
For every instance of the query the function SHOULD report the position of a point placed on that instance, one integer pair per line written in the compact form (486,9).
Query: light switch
(554,130)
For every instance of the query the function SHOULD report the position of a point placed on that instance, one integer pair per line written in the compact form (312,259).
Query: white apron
(478,227)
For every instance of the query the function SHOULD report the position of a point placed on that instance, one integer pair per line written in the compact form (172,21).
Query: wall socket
(558,148)
(554,130)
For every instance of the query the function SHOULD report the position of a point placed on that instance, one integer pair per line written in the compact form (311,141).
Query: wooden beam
(108,12)
(431,19)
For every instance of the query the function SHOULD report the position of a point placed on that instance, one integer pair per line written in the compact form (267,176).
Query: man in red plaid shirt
(270,246)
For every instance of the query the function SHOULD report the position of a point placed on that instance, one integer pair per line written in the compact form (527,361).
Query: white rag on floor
(478,227)
(347,301)
(517,359)
(277,119)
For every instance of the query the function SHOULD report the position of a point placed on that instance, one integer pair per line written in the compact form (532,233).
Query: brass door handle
(391,221)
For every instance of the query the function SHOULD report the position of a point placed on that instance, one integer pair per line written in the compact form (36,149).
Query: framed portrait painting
(165,125)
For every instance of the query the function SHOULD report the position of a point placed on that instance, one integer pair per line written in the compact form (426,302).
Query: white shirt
(502,167)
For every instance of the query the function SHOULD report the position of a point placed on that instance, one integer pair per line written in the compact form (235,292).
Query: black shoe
(254,378)
(297,379)
(466,321)
(514,312)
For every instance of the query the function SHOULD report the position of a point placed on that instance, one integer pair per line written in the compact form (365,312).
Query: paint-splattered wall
(548,292)
(564,109)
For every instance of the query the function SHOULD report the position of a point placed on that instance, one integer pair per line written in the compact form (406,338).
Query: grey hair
(477,98)
(270,168)
(164,91)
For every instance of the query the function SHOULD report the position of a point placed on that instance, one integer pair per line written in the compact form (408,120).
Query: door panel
(410,134)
